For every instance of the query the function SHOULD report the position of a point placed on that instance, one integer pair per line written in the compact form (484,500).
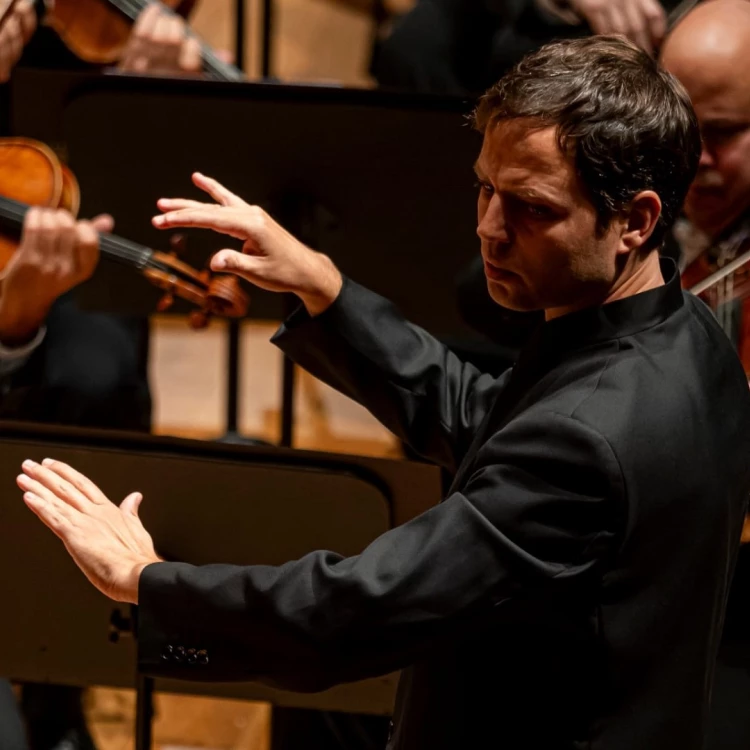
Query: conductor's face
(540,244)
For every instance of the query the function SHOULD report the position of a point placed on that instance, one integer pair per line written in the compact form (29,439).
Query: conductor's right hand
(271,258)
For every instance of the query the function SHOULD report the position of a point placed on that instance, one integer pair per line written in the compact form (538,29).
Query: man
(462,46)
(707,51)
(569,590)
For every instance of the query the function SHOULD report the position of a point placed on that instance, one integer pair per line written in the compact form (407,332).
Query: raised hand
(271,258)
(108,543)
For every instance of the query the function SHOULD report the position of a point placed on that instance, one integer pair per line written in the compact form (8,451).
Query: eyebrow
(524,191)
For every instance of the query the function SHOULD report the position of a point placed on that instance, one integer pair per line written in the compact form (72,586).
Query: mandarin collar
(614,320)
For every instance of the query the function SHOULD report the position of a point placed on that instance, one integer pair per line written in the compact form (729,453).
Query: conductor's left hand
(108,543)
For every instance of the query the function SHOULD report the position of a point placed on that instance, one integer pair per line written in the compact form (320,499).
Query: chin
(509,298)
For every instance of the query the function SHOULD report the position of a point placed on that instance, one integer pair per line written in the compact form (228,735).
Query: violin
(718,287)
(96,31)
(32,175)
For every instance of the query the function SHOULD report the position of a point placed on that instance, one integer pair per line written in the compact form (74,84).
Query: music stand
(204,502)
(380,181)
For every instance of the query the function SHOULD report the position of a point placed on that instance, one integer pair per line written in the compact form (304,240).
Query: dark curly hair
(628,123)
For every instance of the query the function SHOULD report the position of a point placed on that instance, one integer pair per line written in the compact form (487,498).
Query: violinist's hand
(271,258)
(108,543)
(56,253)
(16,30)
(642,21)
(746,531)
(159,44)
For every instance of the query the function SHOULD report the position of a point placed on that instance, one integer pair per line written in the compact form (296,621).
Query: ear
(640,221)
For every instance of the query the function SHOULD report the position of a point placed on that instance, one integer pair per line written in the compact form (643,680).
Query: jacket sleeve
(408,380)
(541,513)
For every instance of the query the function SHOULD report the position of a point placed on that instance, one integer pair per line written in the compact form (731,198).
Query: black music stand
(380,181)
(204,502)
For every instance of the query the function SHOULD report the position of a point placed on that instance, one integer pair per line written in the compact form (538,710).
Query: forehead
(516,154)
(716,91)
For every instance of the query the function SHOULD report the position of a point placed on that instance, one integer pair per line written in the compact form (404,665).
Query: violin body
(94,30)
(32,175)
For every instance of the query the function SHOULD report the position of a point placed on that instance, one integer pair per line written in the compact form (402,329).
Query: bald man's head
(709,52)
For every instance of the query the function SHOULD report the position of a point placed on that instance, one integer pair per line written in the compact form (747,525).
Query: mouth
(495,273)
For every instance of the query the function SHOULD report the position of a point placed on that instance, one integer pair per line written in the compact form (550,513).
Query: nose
(492,226)
(707,159)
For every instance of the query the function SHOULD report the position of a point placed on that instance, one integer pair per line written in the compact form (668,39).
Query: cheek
(733,163)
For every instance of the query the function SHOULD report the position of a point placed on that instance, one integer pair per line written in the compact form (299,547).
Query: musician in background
(158,44)
(59,364)
(709,52)
(463,46)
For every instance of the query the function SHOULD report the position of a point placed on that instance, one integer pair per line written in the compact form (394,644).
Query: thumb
(131,503)
(103,223)
(234,262)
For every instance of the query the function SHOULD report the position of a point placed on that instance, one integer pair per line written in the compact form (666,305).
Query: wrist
(325,290)
(130,592)
(19,331)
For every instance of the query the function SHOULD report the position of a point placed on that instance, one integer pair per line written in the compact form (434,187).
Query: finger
(225,55)
(51,489)
(599,22)
(232,261)
(656,21)
(135,56)
(131,503)
(103,223)
(27,17)
(220,219)
(174,204)
(48,514)
(86,249)
(190,58)
(637,29)
(217,191)
(83,484)
(52,225)
(15,38)
(32,225)
(144,24)
(65,246)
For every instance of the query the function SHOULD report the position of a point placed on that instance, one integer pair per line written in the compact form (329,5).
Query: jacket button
(167,653)
(202,656)
(192,658)
(179,654)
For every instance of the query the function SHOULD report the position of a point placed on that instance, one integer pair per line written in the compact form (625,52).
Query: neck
(636,277)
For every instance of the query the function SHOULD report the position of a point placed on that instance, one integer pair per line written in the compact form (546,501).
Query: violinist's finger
(27,17)
(217,191)
(103,223)
(86,249)
(190,58)
(175,204)
(219,218)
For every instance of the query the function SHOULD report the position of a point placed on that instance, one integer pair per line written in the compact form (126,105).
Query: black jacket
(568,592)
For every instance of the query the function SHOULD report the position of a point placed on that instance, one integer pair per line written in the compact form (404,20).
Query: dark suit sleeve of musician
(411,382)
(540,512)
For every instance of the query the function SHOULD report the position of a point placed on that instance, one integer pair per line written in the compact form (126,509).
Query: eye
(484,187)
(538,211)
